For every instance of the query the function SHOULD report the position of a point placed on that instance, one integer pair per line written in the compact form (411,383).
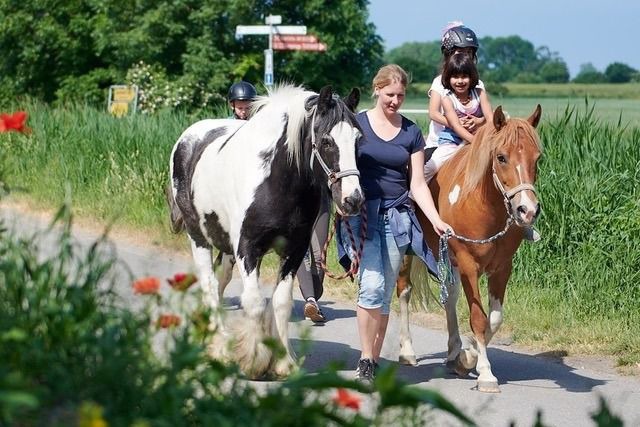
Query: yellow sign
(119,109)
(123,100)
(124,94)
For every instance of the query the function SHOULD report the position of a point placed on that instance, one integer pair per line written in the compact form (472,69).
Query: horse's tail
(177,222)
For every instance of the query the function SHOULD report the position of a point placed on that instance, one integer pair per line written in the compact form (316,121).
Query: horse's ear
(499,120)
(535,117)
(353,99)
(324,98)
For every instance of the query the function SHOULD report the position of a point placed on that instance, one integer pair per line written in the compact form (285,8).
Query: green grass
(575,290)
(608,110)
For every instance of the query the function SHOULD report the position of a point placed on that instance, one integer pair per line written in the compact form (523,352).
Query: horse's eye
(326,141)
(502,159)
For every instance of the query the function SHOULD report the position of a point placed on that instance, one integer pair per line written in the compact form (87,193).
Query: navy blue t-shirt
(383,165)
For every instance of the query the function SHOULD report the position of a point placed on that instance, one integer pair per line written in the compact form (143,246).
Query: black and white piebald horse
(245,187)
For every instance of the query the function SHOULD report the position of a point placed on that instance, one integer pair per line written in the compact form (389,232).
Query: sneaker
(366,370)
(312,312)
(531,234)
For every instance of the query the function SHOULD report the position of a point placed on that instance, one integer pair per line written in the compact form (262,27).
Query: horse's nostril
(522,209)
(354,201)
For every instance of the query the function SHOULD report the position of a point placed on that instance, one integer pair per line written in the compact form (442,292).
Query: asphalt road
(564,391)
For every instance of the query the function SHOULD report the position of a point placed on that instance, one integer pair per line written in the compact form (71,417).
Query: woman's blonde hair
(389,74)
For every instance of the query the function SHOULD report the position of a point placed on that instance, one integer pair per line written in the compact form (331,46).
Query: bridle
(507,195)
(333,176)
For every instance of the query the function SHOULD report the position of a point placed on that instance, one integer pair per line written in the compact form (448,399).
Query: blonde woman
(390,160)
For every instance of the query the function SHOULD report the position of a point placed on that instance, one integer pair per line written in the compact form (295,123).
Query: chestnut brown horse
(486,193)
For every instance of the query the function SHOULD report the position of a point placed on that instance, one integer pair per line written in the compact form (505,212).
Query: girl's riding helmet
(242,91)
(460,36)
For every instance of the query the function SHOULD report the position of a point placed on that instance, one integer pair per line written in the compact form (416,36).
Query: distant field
(606,110)
(609,101)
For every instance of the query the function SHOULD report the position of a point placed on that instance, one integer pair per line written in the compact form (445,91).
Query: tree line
(509,59)
(184,53)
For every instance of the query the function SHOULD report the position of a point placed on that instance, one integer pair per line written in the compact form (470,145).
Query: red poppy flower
(182,281)
(15,121)
(346,399)
(168,320)
(146,285)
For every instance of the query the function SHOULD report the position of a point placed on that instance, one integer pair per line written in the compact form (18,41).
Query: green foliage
(422,60)
(73,51)
(589,74)
(74,353)
(618,72)
(554,72)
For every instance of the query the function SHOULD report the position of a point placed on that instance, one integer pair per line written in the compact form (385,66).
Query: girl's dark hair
(460,65)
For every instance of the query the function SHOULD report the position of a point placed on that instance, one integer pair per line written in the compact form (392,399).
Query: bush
(73,353)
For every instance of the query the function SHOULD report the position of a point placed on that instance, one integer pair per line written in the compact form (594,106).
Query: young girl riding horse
(463,99)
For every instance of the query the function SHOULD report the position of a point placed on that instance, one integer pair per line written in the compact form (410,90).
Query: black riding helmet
(242,91)
(459,36)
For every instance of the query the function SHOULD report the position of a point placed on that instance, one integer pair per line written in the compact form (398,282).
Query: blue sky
(599,32)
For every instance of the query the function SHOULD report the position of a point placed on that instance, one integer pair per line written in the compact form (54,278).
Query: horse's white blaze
(345,137)
(526,200)
(454,194)
(495,314)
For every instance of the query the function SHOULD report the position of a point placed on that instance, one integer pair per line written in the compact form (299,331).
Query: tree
(617,72)
(422,60)
(51,48)
(555,71)
(506,57)
(589,74)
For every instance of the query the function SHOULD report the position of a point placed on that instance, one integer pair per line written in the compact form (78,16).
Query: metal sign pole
(273,27)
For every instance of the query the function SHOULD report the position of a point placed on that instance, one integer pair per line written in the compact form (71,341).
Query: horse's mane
(290,100)
(473,160)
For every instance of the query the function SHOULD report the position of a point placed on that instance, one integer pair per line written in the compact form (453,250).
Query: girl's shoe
(312,312)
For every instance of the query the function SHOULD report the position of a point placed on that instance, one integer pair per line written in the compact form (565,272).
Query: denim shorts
(380,262)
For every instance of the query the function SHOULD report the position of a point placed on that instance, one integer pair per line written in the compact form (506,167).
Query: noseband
(507,195)
(333,176)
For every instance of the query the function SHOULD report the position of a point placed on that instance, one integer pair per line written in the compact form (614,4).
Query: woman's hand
(440,227)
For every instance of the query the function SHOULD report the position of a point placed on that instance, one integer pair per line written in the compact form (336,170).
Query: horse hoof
(284,367)
(456,367)
(488,387)
(409,359)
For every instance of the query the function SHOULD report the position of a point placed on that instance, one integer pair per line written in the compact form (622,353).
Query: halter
(507,195)
(315,154)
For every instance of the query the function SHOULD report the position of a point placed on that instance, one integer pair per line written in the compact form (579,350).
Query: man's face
(241,109)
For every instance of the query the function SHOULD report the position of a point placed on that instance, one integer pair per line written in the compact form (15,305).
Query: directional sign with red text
(297,42)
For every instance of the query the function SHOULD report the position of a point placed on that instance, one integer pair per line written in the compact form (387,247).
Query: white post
(270,20)
(273,27)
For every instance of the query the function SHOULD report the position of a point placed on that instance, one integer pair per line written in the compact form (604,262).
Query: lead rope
(355,262)
(445,271)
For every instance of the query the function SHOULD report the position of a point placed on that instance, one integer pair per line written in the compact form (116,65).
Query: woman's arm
(454,122)
(485,105)
(435,104)
(421,193)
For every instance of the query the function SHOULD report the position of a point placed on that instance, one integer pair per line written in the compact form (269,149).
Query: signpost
(295,42)
(280,39)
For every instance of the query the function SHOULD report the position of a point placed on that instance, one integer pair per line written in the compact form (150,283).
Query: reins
(355,262)
(333,177)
